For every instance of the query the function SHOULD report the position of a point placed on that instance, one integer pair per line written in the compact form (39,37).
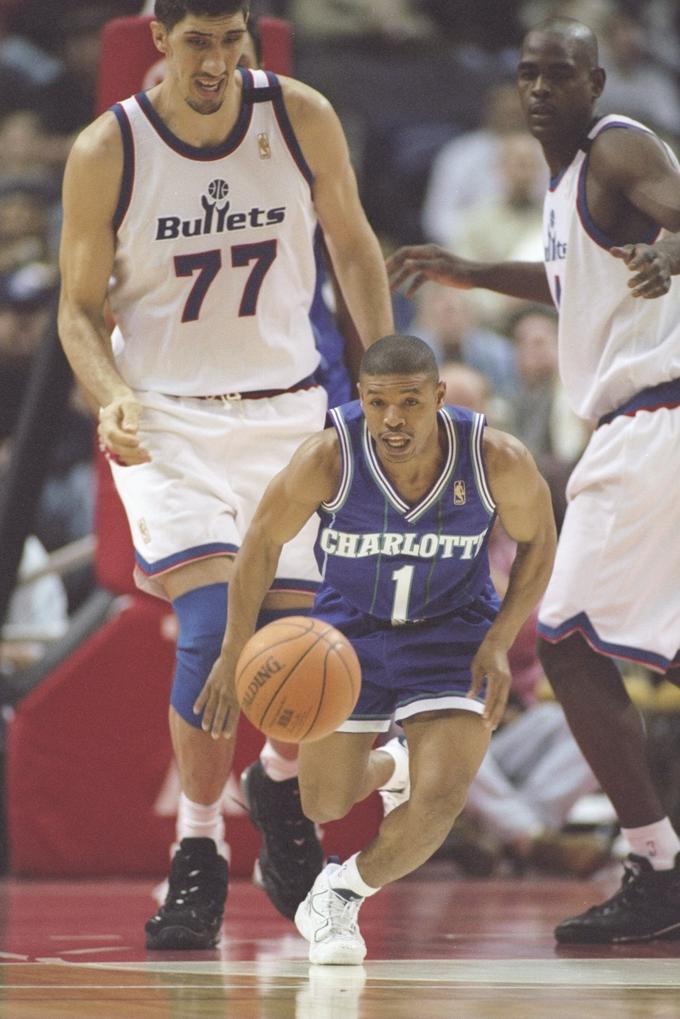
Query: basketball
(297,679)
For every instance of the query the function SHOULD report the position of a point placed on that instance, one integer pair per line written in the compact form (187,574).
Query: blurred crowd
(429,106)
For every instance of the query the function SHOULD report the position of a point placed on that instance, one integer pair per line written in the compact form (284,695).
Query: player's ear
(441,393)
(159,36)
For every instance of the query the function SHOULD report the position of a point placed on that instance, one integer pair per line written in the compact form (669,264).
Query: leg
(191,915)
(446,749)
(606,724)
(290,854)
(610,732)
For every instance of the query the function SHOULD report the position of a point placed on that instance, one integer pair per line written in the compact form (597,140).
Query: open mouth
(396,442)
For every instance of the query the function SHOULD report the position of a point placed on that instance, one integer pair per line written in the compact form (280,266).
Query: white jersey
(214,270)
(611,345)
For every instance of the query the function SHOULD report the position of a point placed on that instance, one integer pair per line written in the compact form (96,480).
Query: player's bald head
(577,39)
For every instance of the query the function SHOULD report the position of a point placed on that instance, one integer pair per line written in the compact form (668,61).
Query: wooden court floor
(439,947)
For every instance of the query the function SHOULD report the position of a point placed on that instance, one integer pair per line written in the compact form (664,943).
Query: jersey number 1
(207,264)
(403,578)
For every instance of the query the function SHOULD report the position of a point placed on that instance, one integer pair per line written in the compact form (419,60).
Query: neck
(200,130)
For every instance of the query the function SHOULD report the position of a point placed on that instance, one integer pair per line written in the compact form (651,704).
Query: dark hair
(399,355)
(170,12)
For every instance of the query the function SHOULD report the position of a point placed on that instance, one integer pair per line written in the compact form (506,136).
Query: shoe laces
(192,884)
(343,913)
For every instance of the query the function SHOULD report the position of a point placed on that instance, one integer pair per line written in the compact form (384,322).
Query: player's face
(557,87)
(202,55)
(401,414)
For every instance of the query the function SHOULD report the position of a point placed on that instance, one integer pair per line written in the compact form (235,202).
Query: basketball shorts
(211,461)
(616,573)
(409,669)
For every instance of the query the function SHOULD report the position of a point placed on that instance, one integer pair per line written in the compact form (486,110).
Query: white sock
(277,767)
(349,877)
(201,821)
(657,842)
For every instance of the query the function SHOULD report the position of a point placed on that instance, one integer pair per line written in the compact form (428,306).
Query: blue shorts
(414,667)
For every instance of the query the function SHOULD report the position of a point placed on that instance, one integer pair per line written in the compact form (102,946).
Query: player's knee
(323,805)
(435,804)
(202,617)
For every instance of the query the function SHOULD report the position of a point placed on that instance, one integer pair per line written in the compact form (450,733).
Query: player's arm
(409,267)
(636,165)
(90,194)
(525,510)
(352,245)
(290,499)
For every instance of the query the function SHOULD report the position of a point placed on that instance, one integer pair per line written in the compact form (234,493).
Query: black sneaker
(290,855)
(646,906)
(191,916)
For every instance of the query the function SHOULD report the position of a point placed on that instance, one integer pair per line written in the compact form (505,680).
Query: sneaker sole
(181,939)
(583,937)
(325,954)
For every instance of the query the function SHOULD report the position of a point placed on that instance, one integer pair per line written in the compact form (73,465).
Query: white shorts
(617,573)
(211,462)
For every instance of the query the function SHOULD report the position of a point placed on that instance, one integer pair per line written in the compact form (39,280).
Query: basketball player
(407,491)
(192,209)
(609,267)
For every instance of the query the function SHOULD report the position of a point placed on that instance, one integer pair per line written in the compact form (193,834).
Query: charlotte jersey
(399,562)
(214,271)
(611,345)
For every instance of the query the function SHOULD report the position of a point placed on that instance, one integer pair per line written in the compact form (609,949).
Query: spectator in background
(25,223)
(466,171)
(637,85)
(448,321)
(540,414)
(65,509)
(508,226)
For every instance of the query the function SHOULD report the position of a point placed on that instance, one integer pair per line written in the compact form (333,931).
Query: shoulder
(505,457)
(310,113)
(316,465)
(98,150)
(622,149)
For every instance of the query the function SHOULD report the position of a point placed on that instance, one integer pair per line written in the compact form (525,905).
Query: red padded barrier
(91,780)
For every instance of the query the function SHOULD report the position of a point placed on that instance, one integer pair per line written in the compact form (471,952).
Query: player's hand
(118,432)
(491,665)
(651,266)
(410,267)
(217,700)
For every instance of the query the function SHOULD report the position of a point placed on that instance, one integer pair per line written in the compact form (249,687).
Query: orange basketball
(297,679)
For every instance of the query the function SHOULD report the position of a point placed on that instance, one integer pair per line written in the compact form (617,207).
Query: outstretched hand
(651,267)
(490,665)
(118,432)
(218,701)
(410,267)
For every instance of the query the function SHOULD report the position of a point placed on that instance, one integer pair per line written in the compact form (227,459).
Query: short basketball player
(614,192)
(192,209)
(407,491)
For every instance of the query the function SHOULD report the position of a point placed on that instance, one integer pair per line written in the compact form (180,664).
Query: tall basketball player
(609,267)
(191,209)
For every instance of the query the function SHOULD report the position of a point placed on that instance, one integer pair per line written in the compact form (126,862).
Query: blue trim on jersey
(128,177)
(203,155)
(293,584)
(346,461)
(599,236)
(580,623)
(290,137)
(186,555)
(554,182)
(666,394)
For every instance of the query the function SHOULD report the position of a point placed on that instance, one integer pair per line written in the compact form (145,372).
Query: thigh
(618,557)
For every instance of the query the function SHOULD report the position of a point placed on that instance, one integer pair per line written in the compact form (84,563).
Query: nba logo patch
(263,146)
(459,493)
(144,530)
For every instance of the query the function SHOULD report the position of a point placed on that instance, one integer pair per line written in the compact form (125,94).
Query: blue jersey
(399,562)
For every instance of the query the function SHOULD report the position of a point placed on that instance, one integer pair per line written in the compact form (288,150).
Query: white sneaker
(398,789)
(328,920)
